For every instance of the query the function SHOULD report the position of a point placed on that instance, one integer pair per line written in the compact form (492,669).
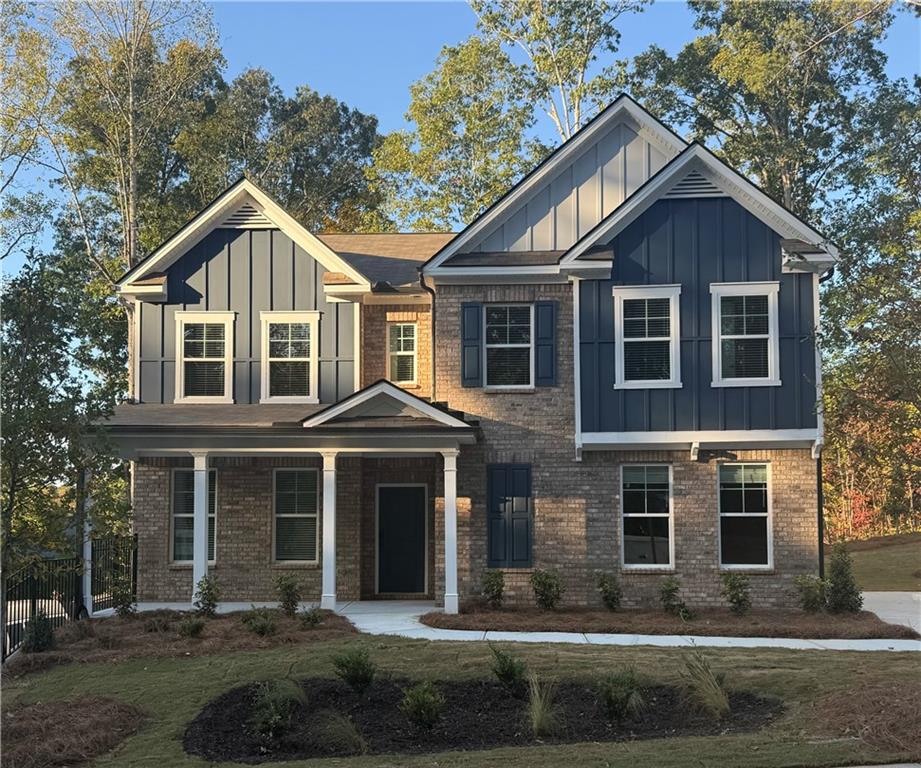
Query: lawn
(888,563)
(829,698)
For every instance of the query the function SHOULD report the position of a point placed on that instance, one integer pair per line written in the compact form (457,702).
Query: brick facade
(375,320)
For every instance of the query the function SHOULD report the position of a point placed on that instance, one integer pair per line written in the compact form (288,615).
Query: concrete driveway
(895,607)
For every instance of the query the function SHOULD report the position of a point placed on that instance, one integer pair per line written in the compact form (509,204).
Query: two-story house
(614,368)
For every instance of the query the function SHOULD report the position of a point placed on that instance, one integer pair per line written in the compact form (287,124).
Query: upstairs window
(401,345)
(646,337)
(289,360)
(183,514)
(204,346)
(745,516)
(745,335)
(509,348)
(647,540)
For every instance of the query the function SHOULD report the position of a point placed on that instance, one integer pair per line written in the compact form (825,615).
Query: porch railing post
(450,485)
(328,598)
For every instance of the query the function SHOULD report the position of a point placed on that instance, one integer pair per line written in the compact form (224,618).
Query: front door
(401,538)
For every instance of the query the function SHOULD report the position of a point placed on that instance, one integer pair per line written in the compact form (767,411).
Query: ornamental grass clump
(737,591)
(311,618)
(493,588)
(622,694)
(190,626)
(610,590)
(548,589)
(335,734)
(354,667)
(705,689)
(423,704)
(261,621)
(289,593)
(509,671)
(543,713)
(274,705)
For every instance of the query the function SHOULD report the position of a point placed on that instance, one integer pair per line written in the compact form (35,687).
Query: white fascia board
(697,157)
(392,391)
(683,440)
(146,292)
(209,219)
(650,128)
(547,273)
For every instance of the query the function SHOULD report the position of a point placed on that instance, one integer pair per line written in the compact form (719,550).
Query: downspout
(820,497)
(431,291)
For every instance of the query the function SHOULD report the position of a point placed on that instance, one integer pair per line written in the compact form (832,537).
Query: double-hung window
(289,357)
(647,540)
(401,346)
(745,516)
(204,351)
(183,514)
(296,515)
(646,340)
(746,349)
(509,347)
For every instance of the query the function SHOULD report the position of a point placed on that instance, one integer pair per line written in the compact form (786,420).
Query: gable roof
(699,162)
(566,152)
(244,194)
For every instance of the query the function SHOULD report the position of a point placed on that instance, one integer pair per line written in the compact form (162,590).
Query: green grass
(173,691)
(889,563)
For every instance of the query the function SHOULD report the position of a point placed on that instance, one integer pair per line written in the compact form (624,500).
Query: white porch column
(328,598)
(200,521)
(450,481)
(87,561)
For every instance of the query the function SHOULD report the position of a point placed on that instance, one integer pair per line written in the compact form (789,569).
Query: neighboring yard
(887,563)
(836,708)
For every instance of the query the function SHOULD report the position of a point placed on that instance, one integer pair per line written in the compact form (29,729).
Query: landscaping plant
(274,704)
(158,624)
(493,588)
(548,589)
(191,626)
(737,590)
(261,621)
(207,593)
(311,617)
(610,590)
(510,671)
(705,688)
(622,694)
(123,599)
(38,635)
(842,594)
(289,593)
(811,591)
(542,710)
(423,704)
(355,667)
(669,596)
(335,734)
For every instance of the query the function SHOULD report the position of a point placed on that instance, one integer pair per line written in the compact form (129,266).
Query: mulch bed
(66,732)
(710,623)
(477,714)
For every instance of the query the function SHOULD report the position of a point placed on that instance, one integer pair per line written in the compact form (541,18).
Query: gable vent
(247,217)
(695,185)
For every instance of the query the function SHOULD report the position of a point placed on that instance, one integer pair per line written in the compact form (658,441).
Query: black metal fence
(55,587)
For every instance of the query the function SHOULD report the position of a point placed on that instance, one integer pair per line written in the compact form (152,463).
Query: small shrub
(811,593)
(261,621)
(737,590)
(542,712)
(191,626)
(422,704)
(333,733)
(610,590)
(274,704)
(511,672)
(158,624)
(207,593)
(108,638)
(311,618)
(38,635)
(123,599)
(81,630)
(706,690)
(622,694)
(842,594)
(493,588)
(548,589)
(670,597)
(355,667)
(289,593)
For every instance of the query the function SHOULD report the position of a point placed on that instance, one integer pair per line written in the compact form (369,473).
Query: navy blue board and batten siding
(694,243)
(246,271)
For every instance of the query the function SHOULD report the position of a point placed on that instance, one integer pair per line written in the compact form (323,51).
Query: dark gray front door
(401,539)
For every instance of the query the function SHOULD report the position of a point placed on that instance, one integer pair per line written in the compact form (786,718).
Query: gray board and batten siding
(696,242)
(246,271)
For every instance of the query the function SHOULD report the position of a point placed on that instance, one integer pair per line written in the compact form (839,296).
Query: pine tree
(843,595)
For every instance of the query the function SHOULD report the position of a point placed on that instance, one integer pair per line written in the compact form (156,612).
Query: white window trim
(670,566)
(172,514)
(771,290)
(415,353)
(769,516)
(670,292)
(312,318)
(188,318)
(530,346)
(315,515)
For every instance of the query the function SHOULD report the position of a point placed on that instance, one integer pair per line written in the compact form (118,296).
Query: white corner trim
(770,289)
(673,294)
(819,390)
(198,316)
(312,319)
(356,346)
(576,284)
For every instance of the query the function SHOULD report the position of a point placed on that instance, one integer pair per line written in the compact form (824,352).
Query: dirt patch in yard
(156,634)
(710,623)
(477,714)
(66,732)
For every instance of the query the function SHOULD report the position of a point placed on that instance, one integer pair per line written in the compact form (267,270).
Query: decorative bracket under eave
(695,450)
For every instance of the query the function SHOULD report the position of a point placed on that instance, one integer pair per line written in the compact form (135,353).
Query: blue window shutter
(471,345)
(509,516)
(545,344)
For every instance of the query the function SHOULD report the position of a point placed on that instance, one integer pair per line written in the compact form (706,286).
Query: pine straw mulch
(884,715)
(710,623)
(155,634)
(66,732)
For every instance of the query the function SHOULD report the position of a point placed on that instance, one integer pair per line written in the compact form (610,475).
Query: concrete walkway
(401,618)
(895,607)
